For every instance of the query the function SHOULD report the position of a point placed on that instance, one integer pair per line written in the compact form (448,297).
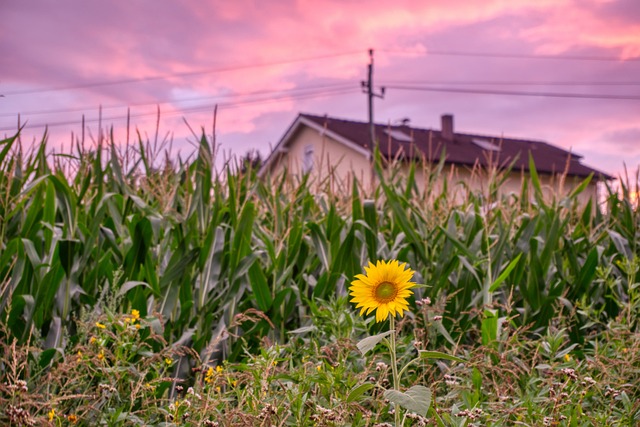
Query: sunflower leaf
(417,399)
(369,343)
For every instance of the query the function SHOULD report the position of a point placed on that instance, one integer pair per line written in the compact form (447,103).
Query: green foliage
(121,372)
(205,248)
(228,262)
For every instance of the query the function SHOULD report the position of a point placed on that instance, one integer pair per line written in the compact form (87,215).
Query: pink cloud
(79,42)
(576,26)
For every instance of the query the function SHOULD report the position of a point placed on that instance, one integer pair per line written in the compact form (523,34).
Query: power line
(514,93)
(229,105)
(184,74)
(320,57)
(180,100)
(512,83)
(387,83)
(436,52)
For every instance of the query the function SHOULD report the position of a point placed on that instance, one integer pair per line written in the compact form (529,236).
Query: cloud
(64,43)
(624,140)
(589,24)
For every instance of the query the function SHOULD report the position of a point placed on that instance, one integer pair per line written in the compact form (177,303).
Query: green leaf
(260,287)
(535,180)
(439,355)
(476,379)
(127,286)
(417,399)
(358,391)
(320,242)
(443,331)
(369,343)
(489,327)
(8,144)
(241,246)
(621,244)
(303,330)
(580,188)
(67,251)
(46,357)
(505,273)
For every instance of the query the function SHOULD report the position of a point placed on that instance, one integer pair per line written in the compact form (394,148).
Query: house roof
(405,141)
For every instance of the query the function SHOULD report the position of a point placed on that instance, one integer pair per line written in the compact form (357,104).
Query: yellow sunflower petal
(384,288)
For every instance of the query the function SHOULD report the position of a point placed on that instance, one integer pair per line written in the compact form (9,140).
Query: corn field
(128,278)
(227,259)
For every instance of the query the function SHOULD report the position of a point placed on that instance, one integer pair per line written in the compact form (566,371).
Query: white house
(323,146)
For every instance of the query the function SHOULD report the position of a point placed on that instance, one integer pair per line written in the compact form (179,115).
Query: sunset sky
(263,62)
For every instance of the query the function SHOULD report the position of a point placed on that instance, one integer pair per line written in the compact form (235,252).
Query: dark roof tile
(461,150)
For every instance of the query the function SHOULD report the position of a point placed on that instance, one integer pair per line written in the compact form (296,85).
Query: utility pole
(367,87)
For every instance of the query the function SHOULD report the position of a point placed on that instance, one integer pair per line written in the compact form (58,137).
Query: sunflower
(385,288)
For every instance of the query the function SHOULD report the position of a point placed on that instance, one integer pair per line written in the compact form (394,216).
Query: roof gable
(289,136)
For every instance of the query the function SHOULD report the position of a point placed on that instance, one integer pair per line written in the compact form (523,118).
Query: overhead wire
(322,91)
(436,52)
(320,57)
(181,100)
(514,82)
(331,86)
(228,105)
(513,93)
(182,74)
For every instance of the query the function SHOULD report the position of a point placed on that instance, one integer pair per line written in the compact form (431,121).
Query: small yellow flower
(79,353)
(219,369)
(319,368)
(234,383)
(135,315)
(168,361)
(137,325)
(93,340)
(218,389)
(72,418)
(100,325)
(150,387)
(101,355)
(52,414)
(384,288)
(567,358)
(208,377)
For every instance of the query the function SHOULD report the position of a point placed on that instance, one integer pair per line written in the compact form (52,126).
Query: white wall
(332,160)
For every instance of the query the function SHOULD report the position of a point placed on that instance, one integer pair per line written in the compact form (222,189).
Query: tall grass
(227,260)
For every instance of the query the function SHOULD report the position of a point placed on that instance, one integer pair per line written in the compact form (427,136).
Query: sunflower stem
(394,366)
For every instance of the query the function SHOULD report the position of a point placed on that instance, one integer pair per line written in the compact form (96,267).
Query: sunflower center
(385,292)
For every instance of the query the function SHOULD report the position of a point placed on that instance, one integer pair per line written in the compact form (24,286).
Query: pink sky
(264,62)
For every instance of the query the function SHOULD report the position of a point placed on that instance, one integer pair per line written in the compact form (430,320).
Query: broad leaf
(417,399)
(369,343)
